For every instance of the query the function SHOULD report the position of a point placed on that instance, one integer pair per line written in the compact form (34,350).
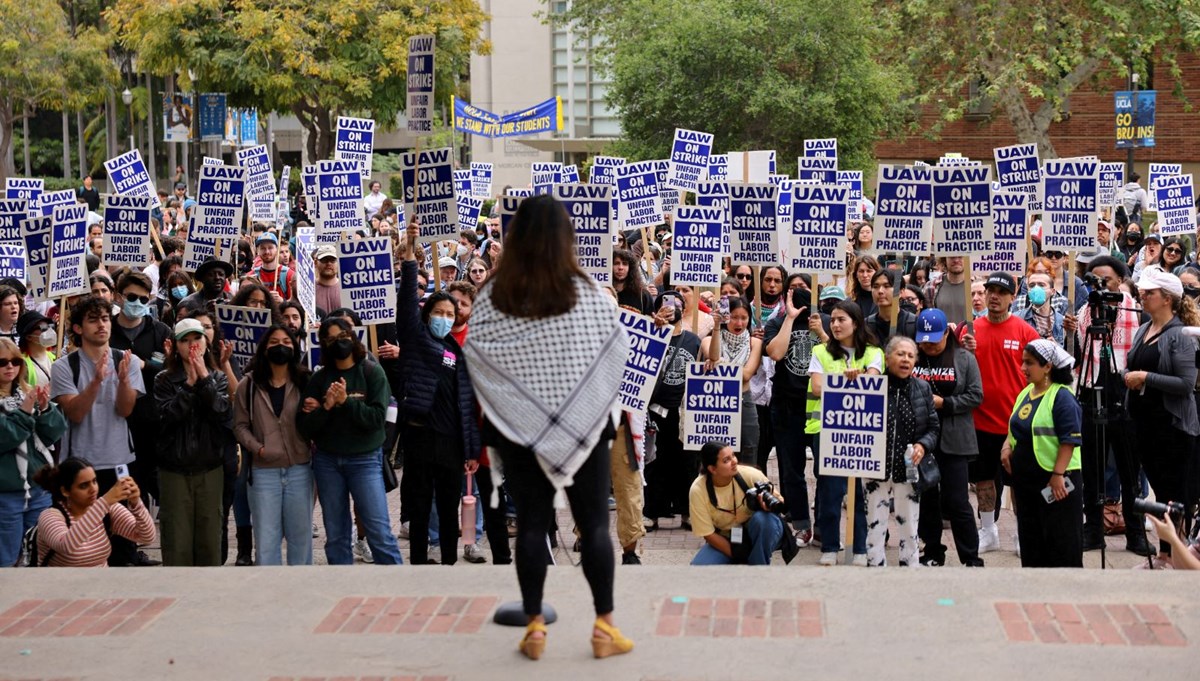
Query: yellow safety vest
(1045,437)
(830,366)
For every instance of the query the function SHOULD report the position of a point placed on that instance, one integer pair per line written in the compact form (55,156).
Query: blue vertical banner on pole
(211,116)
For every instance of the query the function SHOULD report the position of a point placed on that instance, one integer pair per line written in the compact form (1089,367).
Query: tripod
(1098,333)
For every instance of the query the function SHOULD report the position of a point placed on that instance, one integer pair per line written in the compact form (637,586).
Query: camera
(761,497)
(1173,508)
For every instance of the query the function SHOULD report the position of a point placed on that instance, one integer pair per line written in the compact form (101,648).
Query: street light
(127,97)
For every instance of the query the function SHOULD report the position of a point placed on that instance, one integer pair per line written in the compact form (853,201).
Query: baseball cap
(832,292)
(1003,280)
(267,236)
(447,263)
(185,326)
(325,251)
(931,326)
(1154,236)
(1155,277)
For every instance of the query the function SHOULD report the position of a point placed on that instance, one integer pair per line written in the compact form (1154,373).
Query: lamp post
(127,97)
(196,125)
(1133,85)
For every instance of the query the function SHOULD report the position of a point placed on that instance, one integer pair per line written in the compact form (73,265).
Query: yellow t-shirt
(731,509)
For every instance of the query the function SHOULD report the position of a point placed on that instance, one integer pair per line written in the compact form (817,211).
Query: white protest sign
(284,177)
(962,210)
(306,271)
(27,189)
(312,196)
(243,327)
(12,261)
(696,246)
(127,175)
(462,182)
(368,279)
(197,249)
(1010,212)
(353,141)
(955,159)
(481,179)
(544,176)
(819,168)
(49,200)
(647,347)
(313,355)
(669,197)
(821,148)
(637,195)
(718,168)
(1157,170)
(68,237)
(1176,199)
(588,206)
(219,204)
(420,85)
(1018,170)
(716,195)
(35,232)
(604,170)
(570,174)
(783,211)
(818,238)
(904,209)
(712,405)
(126,231)
(755,167)
(853,426)
(753,232)
(210,161)
(1112,179)
(688,164)
(433,192)
(1069,201)
(468,211)
(339,188)
(507,210)
(853,179)
(12,212)
(260,183)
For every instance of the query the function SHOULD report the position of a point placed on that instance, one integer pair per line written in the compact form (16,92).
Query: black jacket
(196,421)
(906,325)
(151,337)
(928,427)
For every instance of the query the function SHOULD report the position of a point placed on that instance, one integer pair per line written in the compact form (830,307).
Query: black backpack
(29,543)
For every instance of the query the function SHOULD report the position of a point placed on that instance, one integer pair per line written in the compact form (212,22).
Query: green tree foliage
(316,59)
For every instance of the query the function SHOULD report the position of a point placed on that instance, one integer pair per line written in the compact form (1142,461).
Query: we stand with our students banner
(546,116)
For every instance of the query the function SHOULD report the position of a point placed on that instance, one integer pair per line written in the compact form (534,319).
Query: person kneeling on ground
(733,530)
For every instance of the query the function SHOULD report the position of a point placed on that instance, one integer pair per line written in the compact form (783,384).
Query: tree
(1025,59)
(316,59)
(758,74)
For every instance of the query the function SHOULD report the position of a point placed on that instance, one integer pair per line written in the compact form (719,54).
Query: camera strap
(712,493)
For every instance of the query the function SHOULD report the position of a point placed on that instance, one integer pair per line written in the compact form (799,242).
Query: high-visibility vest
(830,366)
(1045,437)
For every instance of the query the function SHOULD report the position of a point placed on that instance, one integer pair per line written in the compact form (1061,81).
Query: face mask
(462,251)
(908,305)
(443,251)
(979,313)
(280,354)
(440,326)
(1134,238)
(48,338)
(342,349)
(179,292)
(1037,296)
(136,309)
(1191,292)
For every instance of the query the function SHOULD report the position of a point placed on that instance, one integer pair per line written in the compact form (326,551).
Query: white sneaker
(989,540)
(860,560)
(829,558)
(1017,544)
(473,553)
(403,533)
(363,552)
(315,533)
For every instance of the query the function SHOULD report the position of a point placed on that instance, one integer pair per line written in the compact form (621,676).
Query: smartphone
(122,471)
(1048,494)
(723,308)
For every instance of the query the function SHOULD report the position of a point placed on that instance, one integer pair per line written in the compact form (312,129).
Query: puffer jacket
(257,428)
(195,421)
(927,427)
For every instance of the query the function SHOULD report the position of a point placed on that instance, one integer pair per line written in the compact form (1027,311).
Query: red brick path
(745,618)
(1114,624)
(83,617)
(408,615)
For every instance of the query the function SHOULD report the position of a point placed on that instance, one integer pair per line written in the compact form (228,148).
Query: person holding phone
(1041,457)
(737,346)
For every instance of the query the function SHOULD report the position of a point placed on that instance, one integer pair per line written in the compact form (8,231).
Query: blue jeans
(17,516)
(762,530)
(435,535)
(830,493)
(361,476)
(281,505)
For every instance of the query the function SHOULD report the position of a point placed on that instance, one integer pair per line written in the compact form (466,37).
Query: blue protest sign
(713,401)
(312,197)
(12,212)
(783,209)
(35,233)
(1017,170)
(243,327)
(481,179)
(716,195)
(313,346)
(212,112)
(696,246)
(219,199)
(688,164)
(962,210)
(12,261)
(339,188)
(819,168)
(753,229)
(420,85)
(48,200)
(544,116)
(853,179)
(127,176)
(718,167)
(126,231)
(668,196)
(260,183)
(853,426)
(1135,118)
(904,209)
(354,142)
(545,176)
(462,182)
(367,278)
(604,170)
(431,197)
(821,148)
(468,211)
(647,347)
(1112,179)
(1069,202)
(67,275)
(1176,198)
(27,189)
(588,206)
(570,174)
(639,204)
(818,238)
(1156,171)
(197,249)
(1010,213)
(507,210)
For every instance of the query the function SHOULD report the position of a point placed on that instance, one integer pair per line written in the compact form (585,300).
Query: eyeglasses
(5,362)
(478,271)
(133,296)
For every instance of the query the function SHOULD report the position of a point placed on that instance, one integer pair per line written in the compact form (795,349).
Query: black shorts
(986,466)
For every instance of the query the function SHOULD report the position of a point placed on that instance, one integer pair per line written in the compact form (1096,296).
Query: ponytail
(54,478)
(1185,308)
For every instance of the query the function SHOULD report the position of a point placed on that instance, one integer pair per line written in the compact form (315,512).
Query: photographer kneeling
(726,504)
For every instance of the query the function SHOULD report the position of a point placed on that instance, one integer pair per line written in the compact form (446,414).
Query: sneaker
(140,559)
(315,533)
(403,533)
(434,557)
(1016,544)
(363,552)
(630,558)
(512,526)
(473,553)
(860,560)
(989,541)
(932,561)
(828,558)
(803,538)
(612,504)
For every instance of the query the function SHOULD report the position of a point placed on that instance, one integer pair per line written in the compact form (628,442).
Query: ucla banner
(543,117)
(1135,118)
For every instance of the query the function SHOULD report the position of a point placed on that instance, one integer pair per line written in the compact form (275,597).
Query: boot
(1135,540)
(1093,536)
(245,546)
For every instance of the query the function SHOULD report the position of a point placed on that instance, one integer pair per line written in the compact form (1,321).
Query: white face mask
(462,251)
(48,338)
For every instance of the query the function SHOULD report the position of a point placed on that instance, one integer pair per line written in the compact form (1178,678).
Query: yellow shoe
(533,647)
(613,644)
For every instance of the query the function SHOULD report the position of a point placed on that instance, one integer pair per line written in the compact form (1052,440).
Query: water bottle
(910,468)
(392,411)
(467,520)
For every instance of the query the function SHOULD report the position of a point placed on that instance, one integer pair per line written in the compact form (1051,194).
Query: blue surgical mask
(440,326)
(979,313)
(179,292)
(1037,296)
(136,309)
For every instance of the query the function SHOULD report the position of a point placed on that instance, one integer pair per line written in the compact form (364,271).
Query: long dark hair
(863,336)
(248,288)
(536,277)
(260,366)
(54,478)
(633,280)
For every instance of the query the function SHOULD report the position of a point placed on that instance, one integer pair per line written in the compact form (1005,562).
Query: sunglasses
(1055,255)
(133,296)
(5,362)
(1176,251)
(478,271)
(746,277)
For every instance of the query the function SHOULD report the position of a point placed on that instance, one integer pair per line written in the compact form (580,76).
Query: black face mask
(908,305)
(341,349)
(280,354)
(1191,292)
(1134,238)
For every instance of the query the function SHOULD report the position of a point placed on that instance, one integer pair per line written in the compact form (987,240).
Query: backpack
(29,543)
(281,279)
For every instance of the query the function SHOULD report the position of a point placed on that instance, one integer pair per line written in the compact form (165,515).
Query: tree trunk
(7,162)
(25,139)
(84,169)
(172,147)
(66,141)
(1027,128)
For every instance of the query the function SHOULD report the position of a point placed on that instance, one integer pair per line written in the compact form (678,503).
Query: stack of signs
(818,238)
(647,347)
(26,189)
(339,190)
(244,328)
(1159,170)
(68,274)
(126,231)
(420,85)
(718,167)
(712,405)
(219,193)
(12,248)
(962,210)
(306,271)
(507,209)
(688,164)
(696,246)
(468,211)
(545,175)
(127,175)
(817,168)
(904,209)
(481,179)
(670,197)
(354,140)
(1017,171)
(462,182)
(367,278)
(49,200)
(1069,192)
(1010,213)
(570,174)
(638,201)
(821,148)
(716,195)
(35,233)
(854,426)
(753,235)
(1112,179)
(751,167)
(854,180)
(588,206)
(429,194)
(1176,199)
(260,183)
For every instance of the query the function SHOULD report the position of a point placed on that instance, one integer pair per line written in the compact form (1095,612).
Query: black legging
(428,475)
(949,500)
(1165,451)
(669,477)
(533,495)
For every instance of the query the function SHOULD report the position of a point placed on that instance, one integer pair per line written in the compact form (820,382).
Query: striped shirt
(84,543)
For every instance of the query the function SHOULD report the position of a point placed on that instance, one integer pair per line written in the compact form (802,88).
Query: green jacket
(356,426)
(17,428)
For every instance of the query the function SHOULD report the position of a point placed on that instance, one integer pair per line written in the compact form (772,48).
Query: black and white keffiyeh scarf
(550,385)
